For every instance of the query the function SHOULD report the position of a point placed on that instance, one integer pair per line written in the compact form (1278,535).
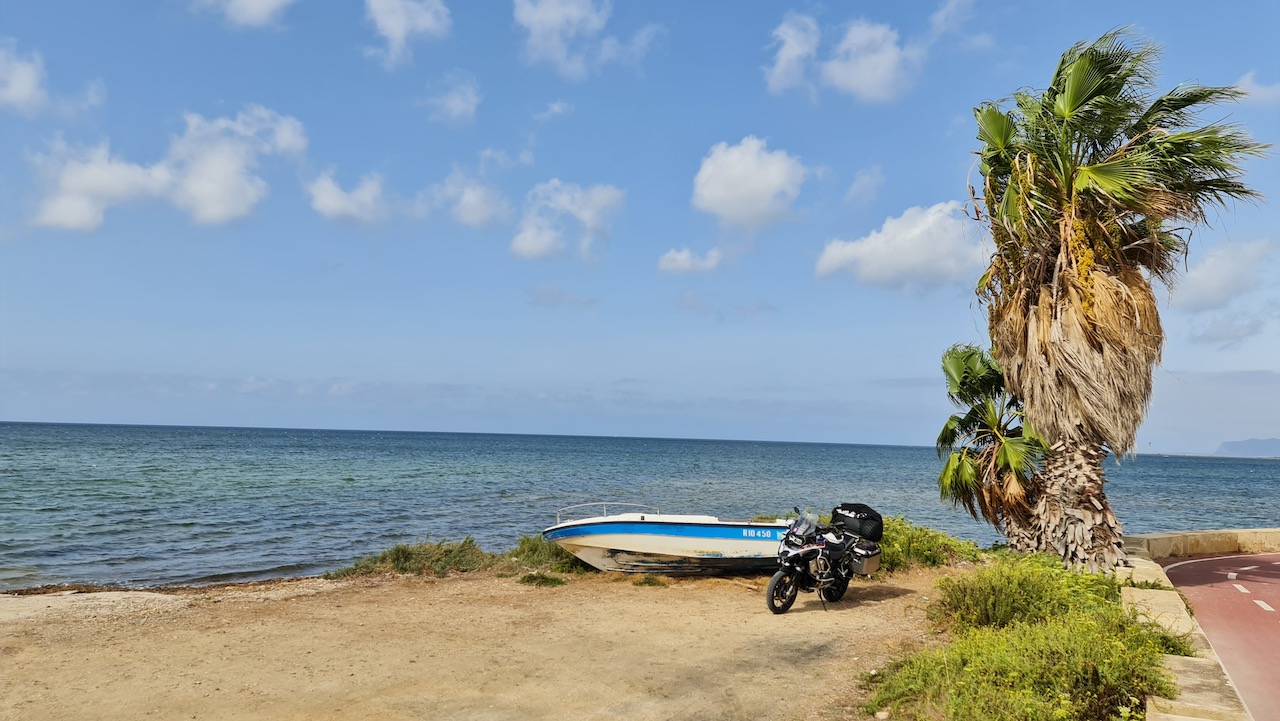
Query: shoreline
(176,590)
(1151,546)
(1162,544)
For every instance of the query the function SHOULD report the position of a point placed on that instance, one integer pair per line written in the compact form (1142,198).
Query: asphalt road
(1236,600)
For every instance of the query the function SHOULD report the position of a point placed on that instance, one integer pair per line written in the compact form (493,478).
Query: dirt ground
(475,647)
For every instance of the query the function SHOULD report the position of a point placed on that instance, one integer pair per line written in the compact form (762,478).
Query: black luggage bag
(859,519)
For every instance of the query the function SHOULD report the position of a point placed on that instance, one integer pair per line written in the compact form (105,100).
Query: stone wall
(1154,546)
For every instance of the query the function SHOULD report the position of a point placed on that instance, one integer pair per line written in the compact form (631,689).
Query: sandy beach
(467,647)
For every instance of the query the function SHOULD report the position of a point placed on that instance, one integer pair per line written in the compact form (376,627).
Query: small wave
(288,570)
(15,577)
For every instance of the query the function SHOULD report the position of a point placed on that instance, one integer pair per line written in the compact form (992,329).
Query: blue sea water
(157,505)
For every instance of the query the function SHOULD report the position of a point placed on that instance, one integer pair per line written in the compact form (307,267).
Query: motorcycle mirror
(796,509)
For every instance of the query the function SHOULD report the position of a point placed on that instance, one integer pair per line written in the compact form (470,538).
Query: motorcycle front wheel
(835,591)
(781,592)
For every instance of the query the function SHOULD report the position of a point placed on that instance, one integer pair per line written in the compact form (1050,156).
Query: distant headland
(1252,448)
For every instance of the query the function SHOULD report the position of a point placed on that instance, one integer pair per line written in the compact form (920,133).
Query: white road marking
(1240,588)
(1231,576)
(1172,566)
(1248,568)
(1265,605)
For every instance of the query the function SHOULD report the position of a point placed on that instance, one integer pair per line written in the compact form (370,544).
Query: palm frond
(1123,179)
(1090,185)
(1179,107)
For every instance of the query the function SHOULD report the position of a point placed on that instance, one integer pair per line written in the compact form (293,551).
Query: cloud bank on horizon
(563,176)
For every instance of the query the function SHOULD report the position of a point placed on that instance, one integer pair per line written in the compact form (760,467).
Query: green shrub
(538,578)
(437,558)
(649,580)
(537,552)
(771,517)
(1149,584)
(1036,642)
(1083,665)
(1030,588)
(906,544)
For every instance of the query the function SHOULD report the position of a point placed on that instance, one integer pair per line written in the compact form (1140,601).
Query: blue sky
(714,219)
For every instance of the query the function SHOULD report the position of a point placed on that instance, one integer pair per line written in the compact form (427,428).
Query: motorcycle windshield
(805,525)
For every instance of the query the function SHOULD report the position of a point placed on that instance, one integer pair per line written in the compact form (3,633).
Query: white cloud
(871,65)
(252,13)
(746,185)
(1222,275)
(564,34)
(684,261)
(491,158)
(554,109)
(921,247)
(459,103)
(207,172)
(866,184)
(633,50)
(949,18)
(1259,92)
(398,21)
(470,201)
(85,182)
(22,81)
(213,162)
(541,231)
(870,62)
(363,203)
(797,40)
(1226,330)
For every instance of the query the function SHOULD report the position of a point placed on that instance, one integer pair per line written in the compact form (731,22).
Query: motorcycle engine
(819,566)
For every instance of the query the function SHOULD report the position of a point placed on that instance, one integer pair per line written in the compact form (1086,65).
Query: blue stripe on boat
(681,530)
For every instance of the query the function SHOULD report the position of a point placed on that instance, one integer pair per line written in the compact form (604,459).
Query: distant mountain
(1252,448)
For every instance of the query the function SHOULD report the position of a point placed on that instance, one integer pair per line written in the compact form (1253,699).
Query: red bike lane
(1236,600)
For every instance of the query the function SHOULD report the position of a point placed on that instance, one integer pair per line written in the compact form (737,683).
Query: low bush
(649,580)
(1149,584)
(537,552)
(1035,641)
(1028,588)
(438,558)
(1086,666)
(906,544)
(538,578)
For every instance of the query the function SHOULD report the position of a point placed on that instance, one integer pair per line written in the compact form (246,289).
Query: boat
(642,539)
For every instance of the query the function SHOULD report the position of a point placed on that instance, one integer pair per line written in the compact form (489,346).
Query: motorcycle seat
(837,547)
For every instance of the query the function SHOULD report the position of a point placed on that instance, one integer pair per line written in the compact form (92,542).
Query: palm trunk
(1074,518)
(1022,536)
(1020,524)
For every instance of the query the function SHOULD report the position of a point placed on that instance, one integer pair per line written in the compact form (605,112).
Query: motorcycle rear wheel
(782,592)
(835,591)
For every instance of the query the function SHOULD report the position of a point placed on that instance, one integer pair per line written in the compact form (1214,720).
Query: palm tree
(991,457)
(1089,189)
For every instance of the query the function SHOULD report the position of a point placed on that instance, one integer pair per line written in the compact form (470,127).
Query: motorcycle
(824,558)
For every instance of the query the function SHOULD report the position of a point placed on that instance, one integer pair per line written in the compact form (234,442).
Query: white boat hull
(670,544)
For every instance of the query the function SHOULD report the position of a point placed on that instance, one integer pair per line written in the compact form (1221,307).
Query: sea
(148,506)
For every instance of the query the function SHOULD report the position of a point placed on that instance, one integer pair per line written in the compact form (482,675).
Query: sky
(728,219)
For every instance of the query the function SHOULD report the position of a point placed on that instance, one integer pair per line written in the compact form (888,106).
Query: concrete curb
(1205,691)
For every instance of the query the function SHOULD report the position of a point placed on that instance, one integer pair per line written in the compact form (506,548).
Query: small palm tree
(1089,188)
(991,457)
